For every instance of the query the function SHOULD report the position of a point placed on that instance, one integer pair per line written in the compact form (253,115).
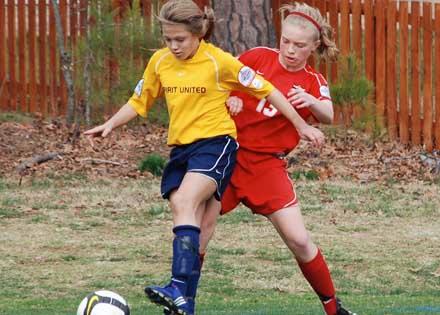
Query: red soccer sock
(318,275)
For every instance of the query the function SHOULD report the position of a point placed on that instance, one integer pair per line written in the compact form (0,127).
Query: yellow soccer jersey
(196,91)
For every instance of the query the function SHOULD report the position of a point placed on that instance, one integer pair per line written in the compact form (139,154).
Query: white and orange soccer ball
(103,302)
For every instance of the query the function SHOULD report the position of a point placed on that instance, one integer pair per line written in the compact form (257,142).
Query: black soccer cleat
(341,310)
(170,298)
(191,307)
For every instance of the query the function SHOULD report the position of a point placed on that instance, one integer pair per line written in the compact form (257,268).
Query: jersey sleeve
(249,58)
(319,88)
(234,75)
(147,89)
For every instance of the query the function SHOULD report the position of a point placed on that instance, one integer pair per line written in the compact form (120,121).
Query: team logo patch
(246,76)
(138,88)
(324,91)
(257,83)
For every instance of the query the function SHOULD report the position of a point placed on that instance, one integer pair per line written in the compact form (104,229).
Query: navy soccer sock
(185,253)
(193,281)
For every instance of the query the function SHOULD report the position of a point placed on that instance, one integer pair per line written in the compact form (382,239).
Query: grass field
(63,237)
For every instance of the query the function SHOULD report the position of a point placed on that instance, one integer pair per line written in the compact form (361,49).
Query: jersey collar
(200,50)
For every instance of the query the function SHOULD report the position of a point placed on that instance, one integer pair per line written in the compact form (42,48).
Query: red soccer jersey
(261,128)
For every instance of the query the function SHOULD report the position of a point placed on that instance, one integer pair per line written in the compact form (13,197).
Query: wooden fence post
(3,78)
(11,57)
(437,75)
(344,42)
(323,67)
(416,130)
(333,12)
(146,11)
(427,80)
(344,29)
(380,8)
(32,60)
(391,54)
(21,56)
(357,27)
(356,45)
(53,75)
(334,22)
(403,73)
(370,52)
(42,90)
(83,16)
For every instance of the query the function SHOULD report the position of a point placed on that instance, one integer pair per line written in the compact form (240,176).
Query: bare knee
(180,204)
(301,246)
(298,243)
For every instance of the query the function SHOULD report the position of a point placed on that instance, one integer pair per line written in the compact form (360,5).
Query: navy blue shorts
(212,157)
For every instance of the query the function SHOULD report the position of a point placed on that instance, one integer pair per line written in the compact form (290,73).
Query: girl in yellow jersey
(196,78)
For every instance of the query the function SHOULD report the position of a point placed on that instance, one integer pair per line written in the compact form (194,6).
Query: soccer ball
(103,303)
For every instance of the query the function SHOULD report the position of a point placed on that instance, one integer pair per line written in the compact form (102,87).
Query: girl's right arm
(123,116)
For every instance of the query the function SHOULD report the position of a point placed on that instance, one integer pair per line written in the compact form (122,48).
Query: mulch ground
(345,155)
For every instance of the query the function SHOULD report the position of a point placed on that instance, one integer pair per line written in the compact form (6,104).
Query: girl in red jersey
(260,180)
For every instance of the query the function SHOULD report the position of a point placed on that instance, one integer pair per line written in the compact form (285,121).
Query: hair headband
(307,17)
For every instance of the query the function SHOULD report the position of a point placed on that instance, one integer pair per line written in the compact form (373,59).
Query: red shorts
(261,182)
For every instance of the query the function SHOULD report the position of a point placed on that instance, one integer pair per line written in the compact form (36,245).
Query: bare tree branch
(37,160)
(100,161)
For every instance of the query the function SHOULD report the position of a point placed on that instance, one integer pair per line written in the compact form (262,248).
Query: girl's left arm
(321,109)
(307,132)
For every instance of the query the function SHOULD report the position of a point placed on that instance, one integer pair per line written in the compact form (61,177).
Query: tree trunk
(243,24)
(66,65)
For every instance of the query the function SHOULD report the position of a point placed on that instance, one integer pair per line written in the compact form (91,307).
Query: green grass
(261,303)
(62,237)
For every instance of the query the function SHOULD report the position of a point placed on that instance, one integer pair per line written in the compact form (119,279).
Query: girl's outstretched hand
(124,115)
(99,131)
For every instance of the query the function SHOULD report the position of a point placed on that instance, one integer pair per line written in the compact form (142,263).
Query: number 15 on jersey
(268,110)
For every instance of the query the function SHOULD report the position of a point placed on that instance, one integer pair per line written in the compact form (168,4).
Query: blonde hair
(187,13)
(323,31)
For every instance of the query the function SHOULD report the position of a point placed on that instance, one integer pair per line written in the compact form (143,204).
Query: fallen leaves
(114,156)
(354,155)
(345,154)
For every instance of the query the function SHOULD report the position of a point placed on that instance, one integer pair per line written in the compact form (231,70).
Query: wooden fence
(30,75)
(397,41)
